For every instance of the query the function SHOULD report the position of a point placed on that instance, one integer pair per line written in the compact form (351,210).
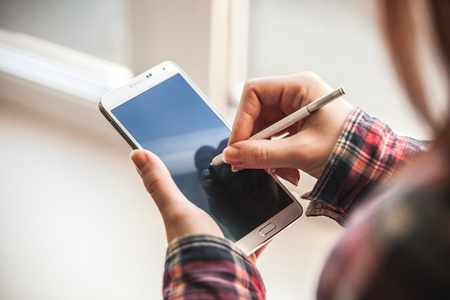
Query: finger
(289,174)
(256,94)
(266,100)
(255,255)
(157,180)
(180,216)
(262,154)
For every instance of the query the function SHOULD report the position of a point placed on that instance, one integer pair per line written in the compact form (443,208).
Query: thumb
(260,154)
(157,180)
(180,216)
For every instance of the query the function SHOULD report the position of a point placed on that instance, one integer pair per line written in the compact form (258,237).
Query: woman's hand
(180,216)
(267,100)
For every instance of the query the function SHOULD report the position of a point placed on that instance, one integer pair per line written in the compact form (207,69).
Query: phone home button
(266,229)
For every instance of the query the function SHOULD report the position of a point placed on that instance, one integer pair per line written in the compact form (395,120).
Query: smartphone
(163,111)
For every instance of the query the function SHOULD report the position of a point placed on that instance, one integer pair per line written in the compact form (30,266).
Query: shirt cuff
(209,267)
(366,153)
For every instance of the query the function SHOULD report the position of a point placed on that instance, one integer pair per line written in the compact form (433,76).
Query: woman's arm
(367,153)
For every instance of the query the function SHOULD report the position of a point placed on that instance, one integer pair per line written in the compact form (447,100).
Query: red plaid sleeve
(208,267)
(367,153)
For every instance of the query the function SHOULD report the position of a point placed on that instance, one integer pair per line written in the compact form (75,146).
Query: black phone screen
(171,120)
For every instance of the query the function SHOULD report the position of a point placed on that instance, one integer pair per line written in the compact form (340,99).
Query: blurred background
(75,220)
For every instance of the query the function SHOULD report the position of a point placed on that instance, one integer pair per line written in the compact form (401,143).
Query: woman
(392,197)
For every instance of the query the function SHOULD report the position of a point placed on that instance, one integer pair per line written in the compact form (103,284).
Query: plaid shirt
(208,267)
(366,153)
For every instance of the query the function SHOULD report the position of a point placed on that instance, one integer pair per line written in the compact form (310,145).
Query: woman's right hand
(265,101)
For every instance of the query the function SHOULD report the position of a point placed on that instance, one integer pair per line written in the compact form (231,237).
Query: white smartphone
(163,111)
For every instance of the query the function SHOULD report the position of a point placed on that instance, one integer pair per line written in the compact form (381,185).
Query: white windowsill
(56,81)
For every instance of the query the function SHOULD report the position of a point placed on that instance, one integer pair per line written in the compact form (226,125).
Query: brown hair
(401,26)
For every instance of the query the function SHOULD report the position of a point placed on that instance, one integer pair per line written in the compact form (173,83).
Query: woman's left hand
(180,216)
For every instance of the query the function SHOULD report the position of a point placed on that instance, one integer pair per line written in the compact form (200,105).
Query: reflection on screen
(173,122)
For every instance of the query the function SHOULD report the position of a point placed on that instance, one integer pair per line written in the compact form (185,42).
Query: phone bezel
(141,83)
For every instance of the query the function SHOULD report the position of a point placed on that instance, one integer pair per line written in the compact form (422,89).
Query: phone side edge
(116,126)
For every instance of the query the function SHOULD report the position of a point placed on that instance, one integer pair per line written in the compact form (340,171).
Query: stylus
(289,120)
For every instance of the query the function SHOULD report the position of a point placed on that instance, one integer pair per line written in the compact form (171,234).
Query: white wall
(338,40)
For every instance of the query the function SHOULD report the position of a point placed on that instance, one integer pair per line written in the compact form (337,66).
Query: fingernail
(232,156)
(139,159)
(305,195)
(292,179)
(236,168)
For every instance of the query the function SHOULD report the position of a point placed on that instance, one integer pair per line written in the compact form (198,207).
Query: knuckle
(248,85)
(251,84)
(260,156)
(152,185)
(310,75)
